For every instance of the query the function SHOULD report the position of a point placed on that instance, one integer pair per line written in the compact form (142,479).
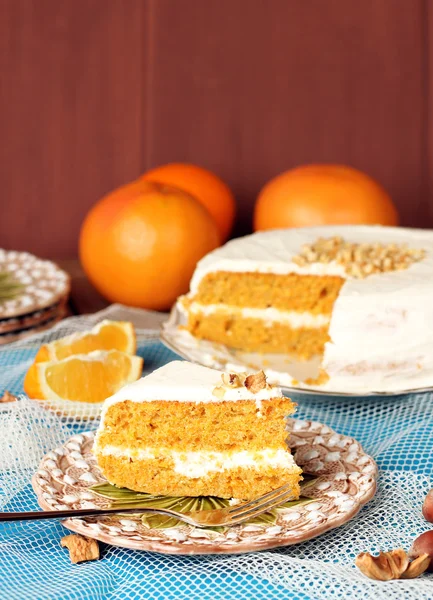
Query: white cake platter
(345,480)
(280,369)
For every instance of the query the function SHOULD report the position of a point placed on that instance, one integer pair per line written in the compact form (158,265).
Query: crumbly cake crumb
(321,379)
(359,260)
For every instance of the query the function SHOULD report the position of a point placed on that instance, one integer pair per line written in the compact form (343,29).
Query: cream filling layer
(270,315)
(199,464)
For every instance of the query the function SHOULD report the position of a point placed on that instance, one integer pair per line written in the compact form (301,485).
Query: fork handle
(83,512)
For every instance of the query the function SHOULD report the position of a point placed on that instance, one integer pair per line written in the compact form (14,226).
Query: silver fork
(231,515)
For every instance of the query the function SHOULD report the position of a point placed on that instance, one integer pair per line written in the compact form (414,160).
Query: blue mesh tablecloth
(398,432)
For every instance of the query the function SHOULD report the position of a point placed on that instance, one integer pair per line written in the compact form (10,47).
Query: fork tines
(257,506)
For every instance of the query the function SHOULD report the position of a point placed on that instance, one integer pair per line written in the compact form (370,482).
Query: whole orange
(323,195)
(140,244)
(204,185)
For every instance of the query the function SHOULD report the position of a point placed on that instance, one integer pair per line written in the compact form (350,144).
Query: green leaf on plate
(10,288)
(125,498)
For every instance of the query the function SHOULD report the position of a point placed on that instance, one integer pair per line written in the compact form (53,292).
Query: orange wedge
(107,335)
(88,378)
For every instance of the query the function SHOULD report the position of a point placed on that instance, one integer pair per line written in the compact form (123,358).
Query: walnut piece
(256,382)
(80,548)
(359,260)
(7,397)
(417,567)
(391,565)
(231,380)
(386,566)
(219,391)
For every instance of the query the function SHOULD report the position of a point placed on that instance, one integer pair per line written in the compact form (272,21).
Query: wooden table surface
(84,298)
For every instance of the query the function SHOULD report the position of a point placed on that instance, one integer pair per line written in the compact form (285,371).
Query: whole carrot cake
(356,299)
(187,430)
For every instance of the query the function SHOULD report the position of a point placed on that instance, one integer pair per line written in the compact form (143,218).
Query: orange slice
(107,335)
(88,378)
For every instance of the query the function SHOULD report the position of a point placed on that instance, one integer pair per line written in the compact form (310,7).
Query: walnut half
(256,382)
(80,548)
(391,565)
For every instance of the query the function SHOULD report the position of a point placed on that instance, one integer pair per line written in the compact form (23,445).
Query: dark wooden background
(94,92)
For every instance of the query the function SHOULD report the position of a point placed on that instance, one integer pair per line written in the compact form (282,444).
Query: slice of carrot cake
(187,430)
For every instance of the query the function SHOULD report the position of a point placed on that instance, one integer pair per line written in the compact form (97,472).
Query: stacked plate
(33,294)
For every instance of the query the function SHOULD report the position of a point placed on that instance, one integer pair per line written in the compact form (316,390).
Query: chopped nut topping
(231,380)
(80,548)
(255,383)
(219,391)
(391,565)
(359,260)
(7,397)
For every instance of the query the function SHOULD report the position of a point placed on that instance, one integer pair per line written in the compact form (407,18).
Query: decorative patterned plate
(276,366)
(29,284)
(345,481)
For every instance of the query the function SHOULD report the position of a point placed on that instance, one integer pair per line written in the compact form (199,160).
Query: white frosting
(184,382)
(266,252)
(200,464)
(381,326)
(269,315)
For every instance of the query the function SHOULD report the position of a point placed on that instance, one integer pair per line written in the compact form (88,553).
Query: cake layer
(256,335)
(220,426)
(152,475)
(294,319)
(199,464)
(294,292)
